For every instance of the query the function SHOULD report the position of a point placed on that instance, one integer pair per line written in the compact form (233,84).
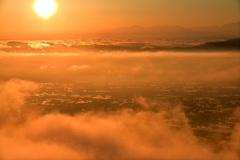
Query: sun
(45,8)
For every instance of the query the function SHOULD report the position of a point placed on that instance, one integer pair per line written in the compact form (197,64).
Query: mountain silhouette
(233,44)
(227,31)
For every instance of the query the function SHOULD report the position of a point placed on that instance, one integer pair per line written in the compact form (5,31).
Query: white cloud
(46,67)
(77,67)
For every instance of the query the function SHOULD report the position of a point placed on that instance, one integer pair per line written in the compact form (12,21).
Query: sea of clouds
(26,133)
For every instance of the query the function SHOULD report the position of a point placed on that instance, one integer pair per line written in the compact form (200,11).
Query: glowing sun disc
(45,8)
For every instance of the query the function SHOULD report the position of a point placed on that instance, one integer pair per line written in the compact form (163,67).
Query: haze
(120,80)
(18,20)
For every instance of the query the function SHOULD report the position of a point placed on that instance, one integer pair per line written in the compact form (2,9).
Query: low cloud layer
(124,67)
(76,67)
(126,134)
(12,101)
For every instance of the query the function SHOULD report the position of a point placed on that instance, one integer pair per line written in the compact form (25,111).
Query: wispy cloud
(77,67)
(43,67)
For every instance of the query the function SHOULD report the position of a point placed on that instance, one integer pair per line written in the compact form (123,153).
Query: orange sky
(18,19)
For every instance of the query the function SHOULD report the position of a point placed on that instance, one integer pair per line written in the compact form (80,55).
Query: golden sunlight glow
(45,8)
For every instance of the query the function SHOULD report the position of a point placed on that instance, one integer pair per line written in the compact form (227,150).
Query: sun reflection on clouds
(77,67)
(38,45)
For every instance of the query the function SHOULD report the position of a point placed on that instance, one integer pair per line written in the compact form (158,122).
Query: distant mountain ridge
(233,44)
(224,32)
(227,31)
